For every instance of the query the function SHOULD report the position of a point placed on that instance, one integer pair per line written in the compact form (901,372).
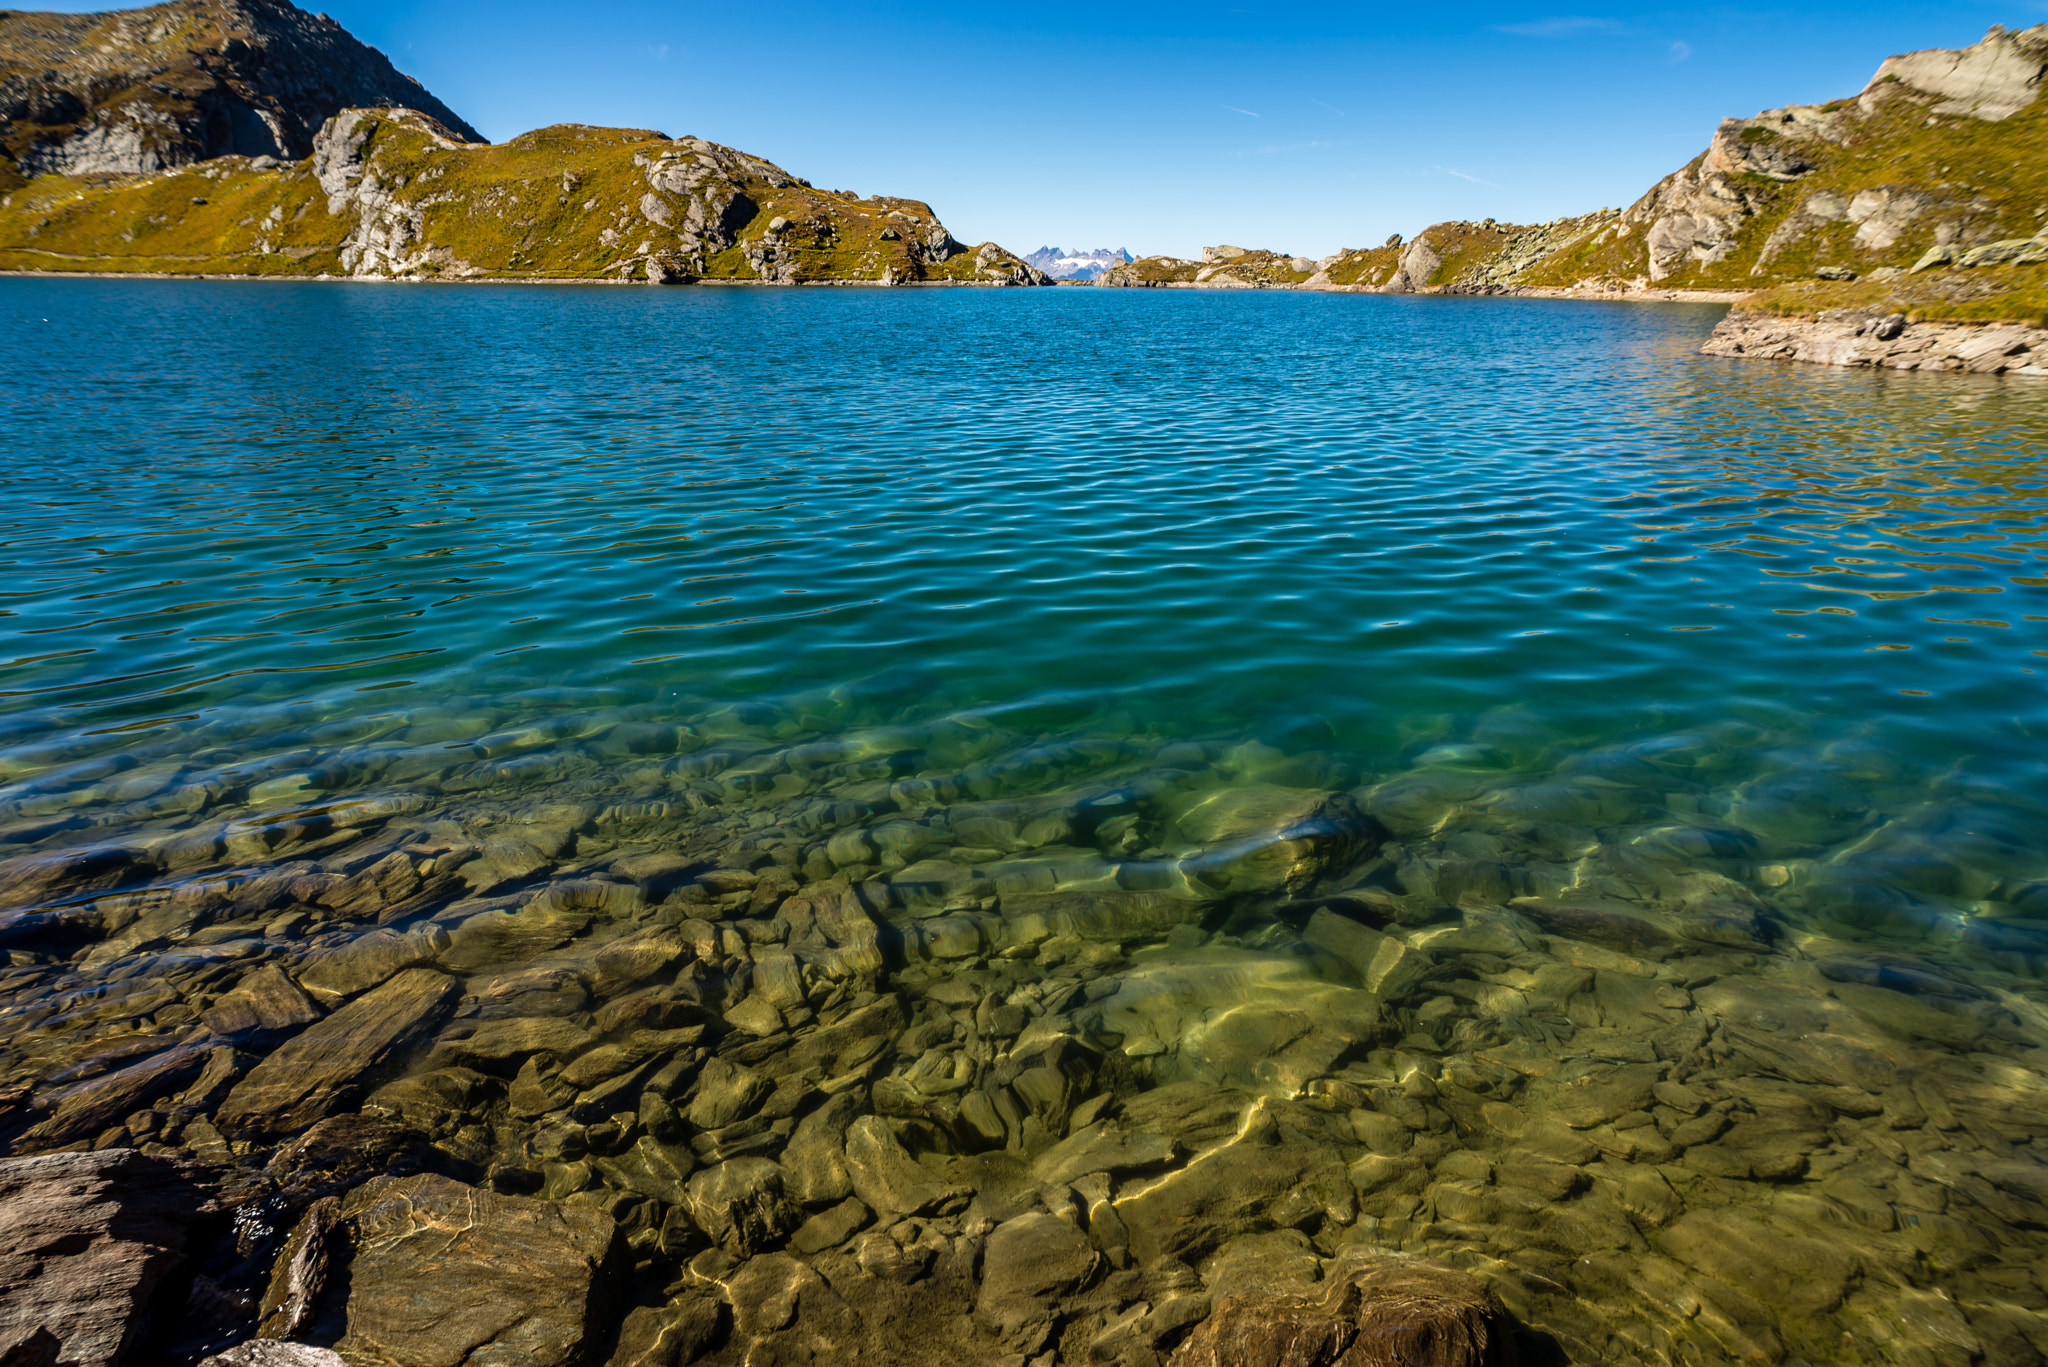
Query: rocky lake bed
(740,1040)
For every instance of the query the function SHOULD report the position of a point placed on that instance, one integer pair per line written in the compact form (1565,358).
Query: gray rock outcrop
(1992,80)
(1419,261)
(1874,338)
(387,234)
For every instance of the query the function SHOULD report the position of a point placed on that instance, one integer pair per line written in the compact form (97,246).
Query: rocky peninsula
(1872,337)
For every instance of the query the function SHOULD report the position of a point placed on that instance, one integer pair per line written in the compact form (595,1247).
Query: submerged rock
(887,1178)
(740,1204)
(1390,1312)
(90,1107)
(439,1274)
(1032,1262)
(326,1065)
(1263,838)
(264,1004)
(1262,1022)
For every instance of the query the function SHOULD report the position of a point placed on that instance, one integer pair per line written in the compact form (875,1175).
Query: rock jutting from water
(636,1037)
(1875,337)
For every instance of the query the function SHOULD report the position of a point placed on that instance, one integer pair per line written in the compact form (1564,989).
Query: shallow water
(1670,713)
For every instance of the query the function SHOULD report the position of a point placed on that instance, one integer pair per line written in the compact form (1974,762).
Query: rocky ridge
(1220,268)
(1074,264)
(1937,151)
(246,137)
(396,194)
(138,91)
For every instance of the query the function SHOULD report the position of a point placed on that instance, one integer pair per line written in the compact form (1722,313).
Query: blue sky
(1165,128)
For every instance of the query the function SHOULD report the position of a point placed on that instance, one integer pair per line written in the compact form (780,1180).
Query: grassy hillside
(1368,266)
(1890,180)
(1924,194)
(135,91)
(392,194)
(1999,294)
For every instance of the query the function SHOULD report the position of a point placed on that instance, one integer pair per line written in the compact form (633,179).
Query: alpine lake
(806,782)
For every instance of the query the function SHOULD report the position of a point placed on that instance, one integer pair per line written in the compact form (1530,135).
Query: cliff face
(394,193)
(139,91)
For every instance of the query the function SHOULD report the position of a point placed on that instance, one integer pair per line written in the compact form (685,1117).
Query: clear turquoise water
(1352,525)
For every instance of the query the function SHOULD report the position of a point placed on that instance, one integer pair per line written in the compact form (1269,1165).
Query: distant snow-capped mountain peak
(1076,264)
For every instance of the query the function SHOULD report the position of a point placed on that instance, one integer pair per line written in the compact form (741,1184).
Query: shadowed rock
(186,81)
(85,1240)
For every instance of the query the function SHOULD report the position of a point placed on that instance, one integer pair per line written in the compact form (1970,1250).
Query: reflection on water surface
(1254,776)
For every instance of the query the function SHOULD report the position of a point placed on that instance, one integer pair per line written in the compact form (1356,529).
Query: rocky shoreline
(1884,339)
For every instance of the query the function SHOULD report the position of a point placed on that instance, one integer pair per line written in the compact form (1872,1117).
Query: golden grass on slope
(2003,294)
(566,202)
